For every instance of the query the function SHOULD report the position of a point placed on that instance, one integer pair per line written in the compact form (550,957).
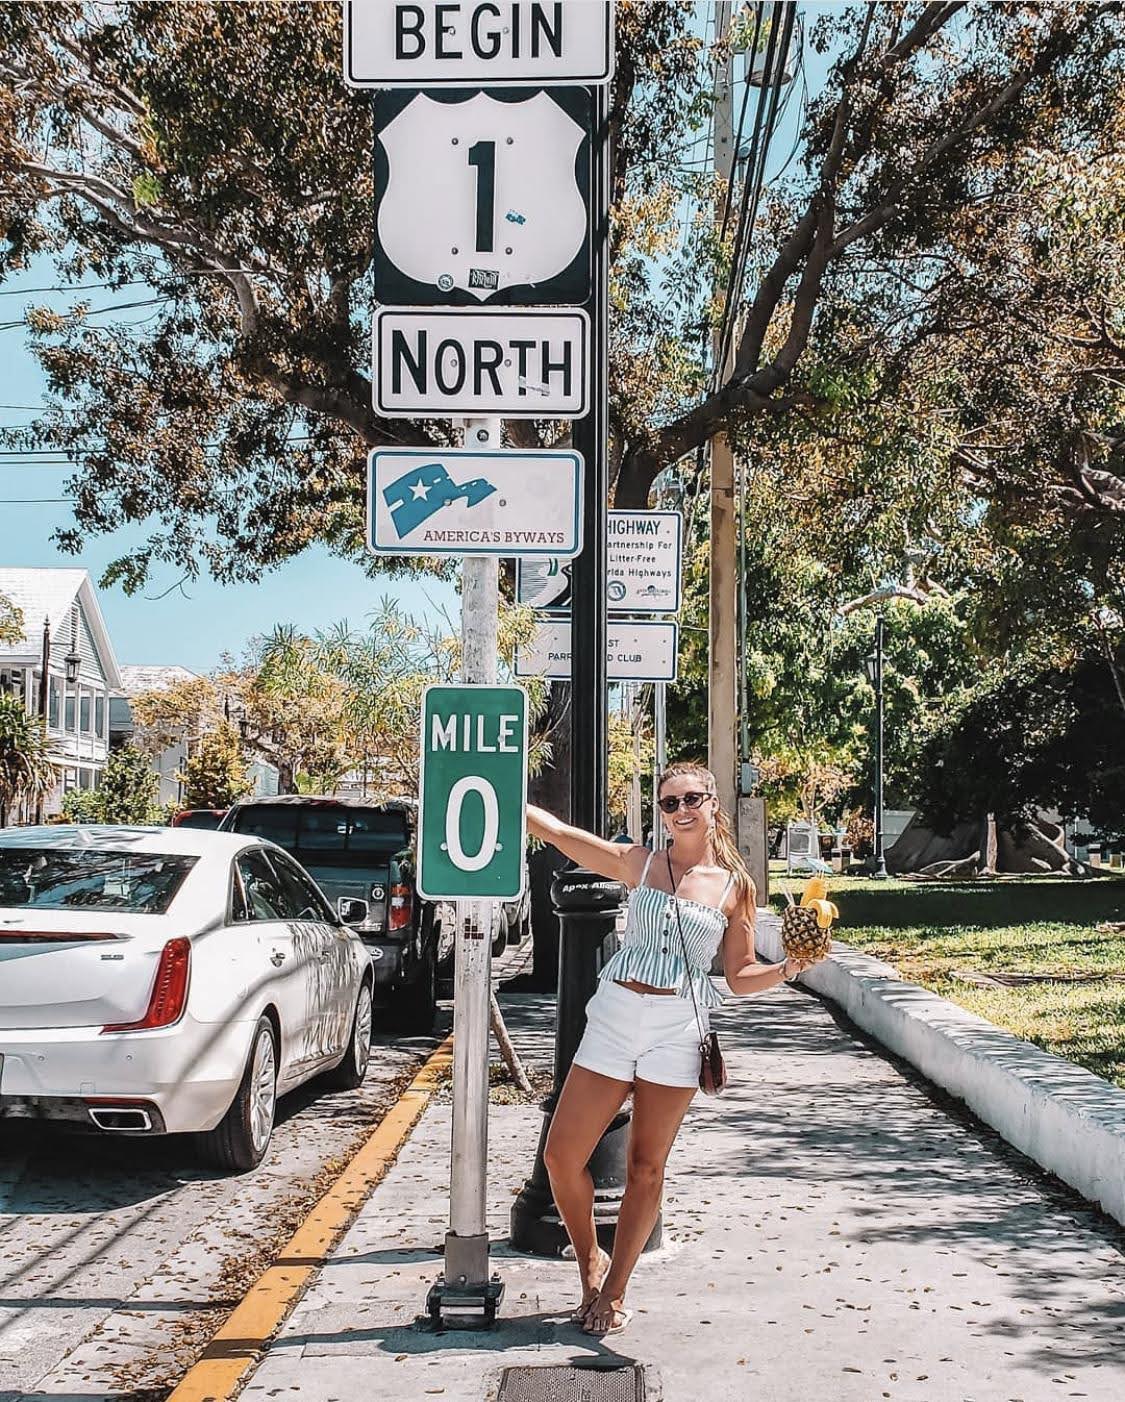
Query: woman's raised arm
(617,860)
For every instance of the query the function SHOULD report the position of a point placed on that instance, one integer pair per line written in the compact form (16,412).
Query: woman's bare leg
(586,1106)
(658,1112)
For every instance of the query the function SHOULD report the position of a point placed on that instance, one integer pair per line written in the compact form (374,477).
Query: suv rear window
(50,878)
(317,830)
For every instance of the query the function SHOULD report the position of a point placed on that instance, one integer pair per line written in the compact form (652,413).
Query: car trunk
(76,969)
(370,883)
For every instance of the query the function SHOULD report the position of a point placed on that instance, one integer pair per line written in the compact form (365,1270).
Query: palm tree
(26,774)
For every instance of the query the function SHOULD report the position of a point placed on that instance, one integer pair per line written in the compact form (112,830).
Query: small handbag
(713,1077)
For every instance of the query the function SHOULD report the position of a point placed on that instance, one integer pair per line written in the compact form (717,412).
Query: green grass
(1029,925)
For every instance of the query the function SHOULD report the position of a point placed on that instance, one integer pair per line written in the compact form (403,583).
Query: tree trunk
(981,848)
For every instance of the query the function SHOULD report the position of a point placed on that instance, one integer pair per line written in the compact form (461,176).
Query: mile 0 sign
(472,793)
(483,197)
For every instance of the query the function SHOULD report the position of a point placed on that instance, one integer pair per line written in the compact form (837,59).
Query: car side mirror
(351,910)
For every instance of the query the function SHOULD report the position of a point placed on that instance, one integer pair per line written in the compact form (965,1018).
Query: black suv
(361,855)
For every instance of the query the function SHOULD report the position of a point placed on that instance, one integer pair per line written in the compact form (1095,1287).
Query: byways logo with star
(415,496)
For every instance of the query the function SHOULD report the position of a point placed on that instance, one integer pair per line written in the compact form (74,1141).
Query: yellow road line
(239,1344)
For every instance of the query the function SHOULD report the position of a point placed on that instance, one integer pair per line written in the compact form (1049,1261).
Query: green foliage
(215,775)
(1039,737)
(11,621)
(26,774)
(128,790)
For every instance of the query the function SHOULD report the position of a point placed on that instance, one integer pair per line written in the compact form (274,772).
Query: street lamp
(72,661)
(874,665)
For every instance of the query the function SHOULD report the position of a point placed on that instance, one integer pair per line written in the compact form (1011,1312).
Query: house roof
(50,593)
(137,678)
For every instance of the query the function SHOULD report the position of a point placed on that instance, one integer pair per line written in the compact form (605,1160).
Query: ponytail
(723,844)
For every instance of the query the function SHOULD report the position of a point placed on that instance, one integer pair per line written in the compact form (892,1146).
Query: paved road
(119,1258)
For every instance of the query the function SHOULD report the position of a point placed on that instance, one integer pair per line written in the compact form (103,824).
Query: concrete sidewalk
(833,1232)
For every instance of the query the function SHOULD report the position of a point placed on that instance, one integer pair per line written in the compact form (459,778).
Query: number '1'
(483,156)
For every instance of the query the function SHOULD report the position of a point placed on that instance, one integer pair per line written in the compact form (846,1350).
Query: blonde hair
(723,844)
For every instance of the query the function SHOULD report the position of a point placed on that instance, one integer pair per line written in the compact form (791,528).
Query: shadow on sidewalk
(512,1333)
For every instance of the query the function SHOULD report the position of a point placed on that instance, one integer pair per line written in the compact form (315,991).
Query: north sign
(644,566)
(482,197)
(454,501)
(636,652)
(430,363)
(511,42)
(472,788)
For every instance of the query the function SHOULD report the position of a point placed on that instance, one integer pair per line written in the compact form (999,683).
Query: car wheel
(351,1071)
(500,939)
(240,1140)
(415,1004)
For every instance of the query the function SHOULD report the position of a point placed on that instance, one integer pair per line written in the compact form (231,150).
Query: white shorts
(635,1036)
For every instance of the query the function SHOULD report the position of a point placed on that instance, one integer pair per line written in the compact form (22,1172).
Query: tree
(1038,738)
(239,415)
(26,773)
(128,790)
(215,775)
(11,621)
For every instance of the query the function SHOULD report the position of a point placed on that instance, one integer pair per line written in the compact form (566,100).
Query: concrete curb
(1068,1120)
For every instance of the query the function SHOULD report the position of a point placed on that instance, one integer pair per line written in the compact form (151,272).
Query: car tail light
(402,908)
(169,990)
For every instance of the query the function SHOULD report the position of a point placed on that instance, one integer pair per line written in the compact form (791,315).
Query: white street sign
(432,363)
(637,652)
(453,501)
(482,199)
(508,43)
(644,567)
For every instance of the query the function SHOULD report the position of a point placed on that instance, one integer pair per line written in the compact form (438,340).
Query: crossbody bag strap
(683,945)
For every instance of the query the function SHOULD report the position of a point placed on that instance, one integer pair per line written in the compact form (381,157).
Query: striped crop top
(651,951)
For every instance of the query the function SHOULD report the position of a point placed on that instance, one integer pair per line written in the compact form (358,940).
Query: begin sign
(388,44)
(472,793)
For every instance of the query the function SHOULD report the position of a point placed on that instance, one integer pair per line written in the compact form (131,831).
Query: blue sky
(195,625)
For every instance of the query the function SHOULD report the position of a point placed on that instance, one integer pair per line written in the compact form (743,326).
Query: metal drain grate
(568,1384)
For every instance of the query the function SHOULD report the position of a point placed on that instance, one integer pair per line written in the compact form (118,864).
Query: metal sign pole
(466,1283)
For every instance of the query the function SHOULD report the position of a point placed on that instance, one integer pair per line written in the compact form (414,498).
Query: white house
(61,619)
(169,762)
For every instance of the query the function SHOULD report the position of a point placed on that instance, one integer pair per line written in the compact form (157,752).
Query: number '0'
(472,783)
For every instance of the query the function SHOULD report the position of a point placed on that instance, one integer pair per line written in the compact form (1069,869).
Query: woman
(641,1029)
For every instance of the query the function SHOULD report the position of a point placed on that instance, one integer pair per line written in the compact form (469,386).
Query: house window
(85,778)
(69,724)
(99,722)
(53,704)
(84,713)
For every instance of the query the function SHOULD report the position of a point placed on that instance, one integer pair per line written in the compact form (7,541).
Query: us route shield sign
(482,197)
(472,793)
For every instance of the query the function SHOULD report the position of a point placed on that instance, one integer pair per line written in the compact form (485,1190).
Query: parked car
(206,819)
(362,856)
(165,980)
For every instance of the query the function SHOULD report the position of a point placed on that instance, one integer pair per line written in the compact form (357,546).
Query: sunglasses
(689,800)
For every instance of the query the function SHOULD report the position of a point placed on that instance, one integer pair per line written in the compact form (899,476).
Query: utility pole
(722,695)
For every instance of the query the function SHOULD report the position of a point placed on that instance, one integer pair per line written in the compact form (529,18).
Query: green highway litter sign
(472,792)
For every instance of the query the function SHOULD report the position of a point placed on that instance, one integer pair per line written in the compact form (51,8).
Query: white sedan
(163,980)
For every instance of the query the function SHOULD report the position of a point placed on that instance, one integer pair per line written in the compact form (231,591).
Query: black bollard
(588,906)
